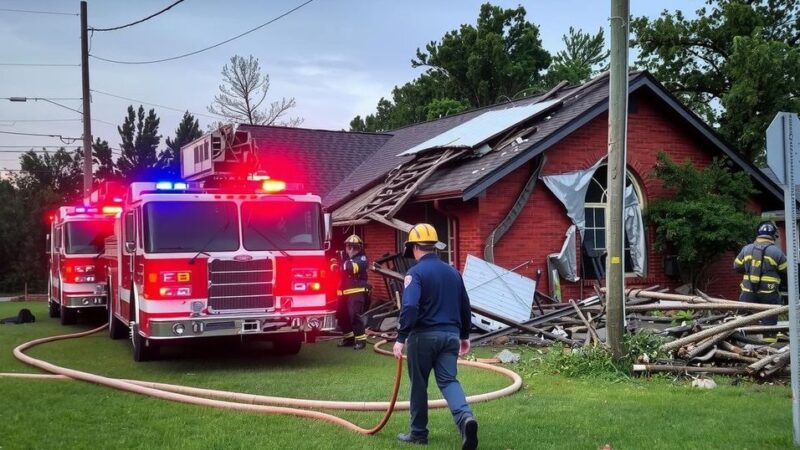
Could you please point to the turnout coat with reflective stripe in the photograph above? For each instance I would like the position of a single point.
(761, 263)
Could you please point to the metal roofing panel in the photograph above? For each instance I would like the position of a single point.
(499, 290)
(482, 128)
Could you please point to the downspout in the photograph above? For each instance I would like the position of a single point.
(437, 206)
(513, 213)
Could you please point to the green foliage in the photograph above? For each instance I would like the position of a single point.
(473, 66)
(597, 362)
(681, 316)
(140, 139)
(103, 159)
(737, 63)
(583, 56)
(705, 215)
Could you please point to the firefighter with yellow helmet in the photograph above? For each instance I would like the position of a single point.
(434, 330)
(352, 293)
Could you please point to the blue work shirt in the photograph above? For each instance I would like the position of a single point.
(434, 299)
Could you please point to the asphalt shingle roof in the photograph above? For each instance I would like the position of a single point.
(326, 157)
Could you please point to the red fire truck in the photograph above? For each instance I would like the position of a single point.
(76, 241)
(218, 256)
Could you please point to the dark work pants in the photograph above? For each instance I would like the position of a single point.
(348, 313)
(773, 298)
(437, 351)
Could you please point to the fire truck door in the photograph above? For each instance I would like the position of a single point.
(126, 272)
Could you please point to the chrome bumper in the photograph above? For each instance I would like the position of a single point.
(234, 325)
(85, 301)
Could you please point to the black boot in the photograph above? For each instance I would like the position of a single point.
(360, 344)
(409, 439)
(346, 342)
(469, 434)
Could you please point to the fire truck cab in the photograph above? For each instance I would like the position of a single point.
(77, 275)
(219, 254)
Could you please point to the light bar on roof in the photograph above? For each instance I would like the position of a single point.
(480, 129)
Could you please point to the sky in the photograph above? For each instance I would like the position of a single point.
(337, 58)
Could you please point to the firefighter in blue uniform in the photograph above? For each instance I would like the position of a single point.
(761, 263)
(434, 324)
(352, 293)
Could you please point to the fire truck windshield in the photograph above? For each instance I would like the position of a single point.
(190, 227)
(87, 237)
(281, 226)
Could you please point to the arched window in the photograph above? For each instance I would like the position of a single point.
(594, 235)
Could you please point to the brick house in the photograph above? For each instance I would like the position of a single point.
(477, 177)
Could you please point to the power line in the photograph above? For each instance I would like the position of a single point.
(39, 65)
(14, 121)
(157, 105)
(207, 48)
(55, 13)
(62, 138)
(138, 21)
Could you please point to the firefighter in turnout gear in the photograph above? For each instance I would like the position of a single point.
(352, 293)
(762, 264)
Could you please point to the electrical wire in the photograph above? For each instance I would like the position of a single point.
(215, 117)
(55, 13)
(138, 21)
(60, 137)
(209, 47)
(38, 65)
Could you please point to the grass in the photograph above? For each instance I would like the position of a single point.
(552, 410)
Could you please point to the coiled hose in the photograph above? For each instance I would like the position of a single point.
(256, 403)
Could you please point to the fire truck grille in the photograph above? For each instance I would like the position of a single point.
(240, 284)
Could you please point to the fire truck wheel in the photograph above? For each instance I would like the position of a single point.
(141, 350)
(68, 316)
(287, 344)
(54, 309)
(116, 329)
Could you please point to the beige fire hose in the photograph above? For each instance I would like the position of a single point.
(255, 403)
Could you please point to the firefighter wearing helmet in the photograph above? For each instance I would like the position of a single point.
(352, 293)
(434, 329)
(761, 263)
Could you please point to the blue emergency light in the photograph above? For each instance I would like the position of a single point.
(170, 186)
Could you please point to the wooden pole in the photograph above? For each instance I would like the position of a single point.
(617, 124)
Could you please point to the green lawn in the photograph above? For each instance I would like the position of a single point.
(550, 412)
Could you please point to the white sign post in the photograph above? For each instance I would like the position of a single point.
(783, 157)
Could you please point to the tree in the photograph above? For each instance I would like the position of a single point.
(140, 138)
(736, 64)
(103, 158)
(60, 172)
(243, 91)
(187, 131)
(584, 55)
(473, 66)
(705, 215)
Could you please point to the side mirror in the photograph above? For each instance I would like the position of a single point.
(328, 229)
(130, 247)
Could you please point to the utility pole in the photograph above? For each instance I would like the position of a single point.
(87, 116)
(617, 132)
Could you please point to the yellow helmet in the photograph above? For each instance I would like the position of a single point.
(353, 239)
(422, 233)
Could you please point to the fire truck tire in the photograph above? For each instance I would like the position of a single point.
(53, 309)
(287, 344)
(116, 329)
(68, 316)
(141, 350)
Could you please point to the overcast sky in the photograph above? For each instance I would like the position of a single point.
(335, 57)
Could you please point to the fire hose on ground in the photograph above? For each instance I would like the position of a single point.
(251, 402)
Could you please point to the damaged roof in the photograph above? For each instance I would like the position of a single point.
(467, 178)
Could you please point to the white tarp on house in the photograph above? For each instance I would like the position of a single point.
(499, 290)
